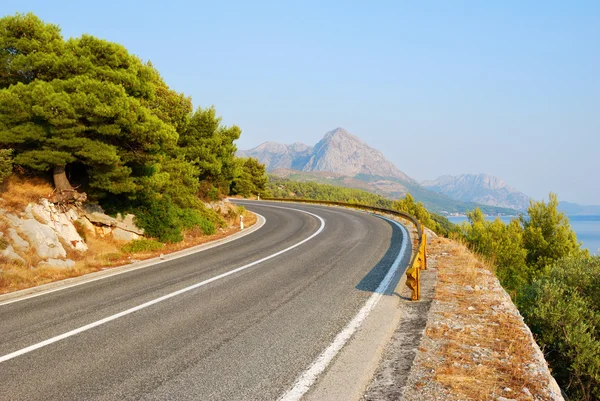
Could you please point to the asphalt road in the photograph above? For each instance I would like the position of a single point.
(246, 336)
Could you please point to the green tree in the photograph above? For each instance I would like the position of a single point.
(501, 245)
(252, 180)
(547, 234)
(417, 209)
(210, 146)
(85, 104)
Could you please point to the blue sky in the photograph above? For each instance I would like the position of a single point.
(508, 88)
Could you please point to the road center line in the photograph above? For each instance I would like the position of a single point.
(164, 297)
(310, 375)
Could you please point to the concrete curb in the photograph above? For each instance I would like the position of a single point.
(32, 292)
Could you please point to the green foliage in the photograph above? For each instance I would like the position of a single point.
(282, 188)
(500, 244)
(210, 147)
(417, 209)
(547, 234)
(252, 179)
(163, 219)
(191, 218)
(84, 103)
(6, 164)
(160, 219)
(142, 245)
(563, 311)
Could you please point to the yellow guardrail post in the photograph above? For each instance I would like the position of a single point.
(413, 274)
(424, 252)
(413, 280)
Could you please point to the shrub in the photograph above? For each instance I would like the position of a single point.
(190, 218)
(159, 219)
(6, 164)
(562, 309)
(142, 245)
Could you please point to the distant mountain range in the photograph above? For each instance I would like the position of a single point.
(341, 158)
(479, 188)
(575, 209)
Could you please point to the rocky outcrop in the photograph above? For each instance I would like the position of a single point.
(121, 228)
(479, 188)
(42, 238)
(43, 234)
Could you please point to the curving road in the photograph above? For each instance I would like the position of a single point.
(190, 328)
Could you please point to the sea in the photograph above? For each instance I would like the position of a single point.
(587, 229)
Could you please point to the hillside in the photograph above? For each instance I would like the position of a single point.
(479, 188)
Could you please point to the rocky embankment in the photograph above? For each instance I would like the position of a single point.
(43, 234)
(473, 343)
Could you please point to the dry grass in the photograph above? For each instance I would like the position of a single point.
(482, 350)
(18, 192)
(103, 253)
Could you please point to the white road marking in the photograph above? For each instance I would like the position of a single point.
(165, 297)
(115, 271)
(308, 378)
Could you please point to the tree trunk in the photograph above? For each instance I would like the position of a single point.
(64, 190)
(61, 182)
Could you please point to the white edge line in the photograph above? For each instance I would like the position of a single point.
(115, 271)
(164, 297)
(310, 375)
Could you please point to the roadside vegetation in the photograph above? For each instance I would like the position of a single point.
(555, 284)
(103, 126)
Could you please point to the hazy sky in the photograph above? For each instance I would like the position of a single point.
(449, 87)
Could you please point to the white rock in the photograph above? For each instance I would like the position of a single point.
(468, 288)
(72, 214)
(9, 253)
(42, 238)
(471, 308)
(96, 215)
(103, 231)
(60, 223)
(127, 224)
(57, 263)
(526, 391)
(87, 226)
(122, 235)
(17, 241)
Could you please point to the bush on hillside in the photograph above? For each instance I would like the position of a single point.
(563, 311)
(6, 164)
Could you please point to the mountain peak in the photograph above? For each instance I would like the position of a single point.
(340, 134)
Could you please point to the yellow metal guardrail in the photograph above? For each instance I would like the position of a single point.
(419, 258)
